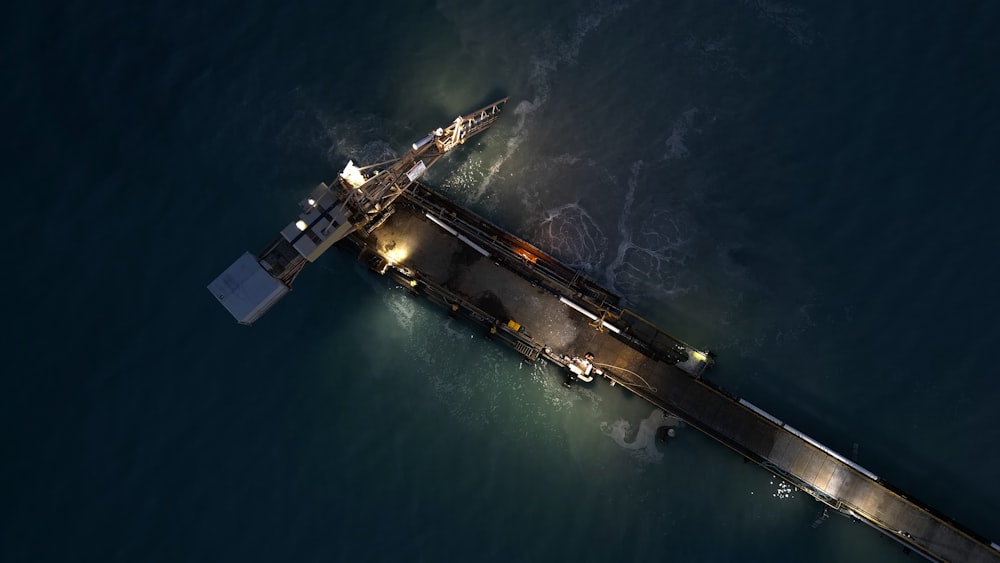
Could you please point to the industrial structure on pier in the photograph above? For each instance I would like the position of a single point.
(520, 296)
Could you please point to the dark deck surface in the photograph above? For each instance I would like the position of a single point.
(516, 282)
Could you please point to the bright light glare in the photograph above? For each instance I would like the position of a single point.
(301, 225)
(352, 174)
(396, 255)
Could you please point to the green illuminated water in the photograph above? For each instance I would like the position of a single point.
(800, 188)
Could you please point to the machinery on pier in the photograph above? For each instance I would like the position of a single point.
(253, 284)
(488, 277)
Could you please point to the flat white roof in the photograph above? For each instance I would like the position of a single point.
(246, 290)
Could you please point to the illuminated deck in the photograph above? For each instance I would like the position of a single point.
(542, 309)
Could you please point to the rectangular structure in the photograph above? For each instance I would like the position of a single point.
(246, 290)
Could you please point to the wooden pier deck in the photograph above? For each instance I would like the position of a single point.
(543, 309)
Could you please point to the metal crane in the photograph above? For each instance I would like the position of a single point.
(253, 284)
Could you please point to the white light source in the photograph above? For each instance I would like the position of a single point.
(301, 225)
(352, 174)
(396, 255)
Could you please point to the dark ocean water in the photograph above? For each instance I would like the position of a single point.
(806, 188)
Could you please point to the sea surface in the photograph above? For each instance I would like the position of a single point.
(806, 188)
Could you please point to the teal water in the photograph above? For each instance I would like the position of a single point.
(805, 189)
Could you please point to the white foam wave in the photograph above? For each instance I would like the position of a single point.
(468, 176)
(544, 63)
(643, 444)
(652, 256)
(541, 178)
(653, 244)
(356, 138)
(571, 234)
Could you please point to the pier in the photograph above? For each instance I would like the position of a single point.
(520, 296)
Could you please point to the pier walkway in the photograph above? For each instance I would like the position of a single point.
(542, 309)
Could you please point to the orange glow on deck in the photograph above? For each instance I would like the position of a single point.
(526, 255)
